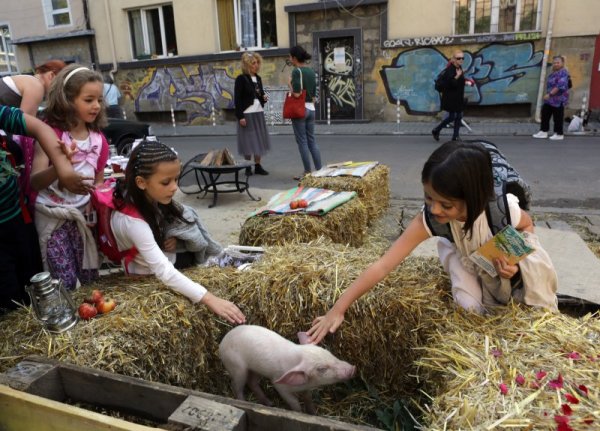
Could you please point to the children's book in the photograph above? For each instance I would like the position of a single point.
(509, 243)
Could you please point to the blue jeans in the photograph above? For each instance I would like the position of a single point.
(452, 116)
(304, 131)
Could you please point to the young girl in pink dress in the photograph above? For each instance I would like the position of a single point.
(76, 112)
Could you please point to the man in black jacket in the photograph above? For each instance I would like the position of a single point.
(452, 82)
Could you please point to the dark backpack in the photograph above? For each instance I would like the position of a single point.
(569, 82)
(506, 180)
(439, 81)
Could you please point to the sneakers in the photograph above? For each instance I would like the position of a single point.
(557, 137)
(436, 134)
(258, 170)
(541, 135)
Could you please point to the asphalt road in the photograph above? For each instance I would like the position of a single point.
(561, 174)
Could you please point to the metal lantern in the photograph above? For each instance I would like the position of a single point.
(52, 304)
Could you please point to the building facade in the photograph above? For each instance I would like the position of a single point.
(372, 57)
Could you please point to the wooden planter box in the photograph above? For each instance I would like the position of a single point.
(34, 392)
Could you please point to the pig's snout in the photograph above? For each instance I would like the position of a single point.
(348, 372)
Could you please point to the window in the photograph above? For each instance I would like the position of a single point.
(496, 16)
(246, 24)
(8, 62)
(152, 32)
(57, 12)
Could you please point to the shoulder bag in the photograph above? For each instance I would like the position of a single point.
(293, 107)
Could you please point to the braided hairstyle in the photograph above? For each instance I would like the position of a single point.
(143, 161)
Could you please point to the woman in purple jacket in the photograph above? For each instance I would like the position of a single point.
(555, 100)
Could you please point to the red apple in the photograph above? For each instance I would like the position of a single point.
(106, 305)
(97, 296)
(87, 311)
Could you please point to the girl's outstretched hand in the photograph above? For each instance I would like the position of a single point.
(223, 308)
(324, 325)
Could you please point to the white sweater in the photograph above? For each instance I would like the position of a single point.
(133, 232)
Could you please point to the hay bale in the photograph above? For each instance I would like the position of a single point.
(373, 189)
(346, 224)
(470, 356)
(153, 334)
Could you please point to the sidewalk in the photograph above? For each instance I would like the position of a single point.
(479, 127)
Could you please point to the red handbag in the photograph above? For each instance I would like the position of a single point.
(293, 107)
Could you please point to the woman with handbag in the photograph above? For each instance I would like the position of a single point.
(303, 83)
(249, 98)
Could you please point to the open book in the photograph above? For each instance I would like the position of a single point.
(509, 243)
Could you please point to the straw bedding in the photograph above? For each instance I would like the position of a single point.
(405, 337)
(346, 224)
(373, 189)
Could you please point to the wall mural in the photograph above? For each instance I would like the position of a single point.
(194, 89)
(503, 74)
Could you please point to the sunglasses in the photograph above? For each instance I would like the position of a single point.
(459, 58)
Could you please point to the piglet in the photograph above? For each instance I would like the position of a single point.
(249, 352)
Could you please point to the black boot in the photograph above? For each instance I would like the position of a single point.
(436, 134)
(258, 170)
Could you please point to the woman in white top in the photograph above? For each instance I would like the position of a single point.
(149, 186)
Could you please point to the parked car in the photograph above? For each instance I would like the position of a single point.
(121, 133)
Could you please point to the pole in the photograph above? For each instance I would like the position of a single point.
(173, 120)
(329, 111)
(213, 116)
(398, 115)
(538, 107)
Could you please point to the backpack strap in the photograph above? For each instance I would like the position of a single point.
(437, 228)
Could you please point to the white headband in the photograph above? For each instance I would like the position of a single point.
(73, 72)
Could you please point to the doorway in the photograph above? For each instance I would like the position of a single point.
(340, 74)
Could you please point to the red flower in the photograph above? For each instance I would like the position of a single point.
(563, 423)
(496, 352)
(520, 379)
(583, 390)
(503, 388)
(540, 375)
(566, 409)
(588, 421)
(556, 383)
(574, 355)
(572, 399)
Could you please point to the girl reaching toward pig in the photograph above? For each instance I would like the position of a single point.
(458, 185)
(145, 206)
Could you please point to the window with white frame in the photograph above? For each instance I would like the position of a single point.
(496, 16)
(8, 62)
(246, 24)
(57, 12)
(152, 32)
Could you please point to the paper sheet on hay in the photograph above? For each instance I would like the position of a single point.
(320, 201)
(353, 169)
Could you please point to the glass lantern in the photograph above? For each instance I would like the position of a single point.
(51, 303)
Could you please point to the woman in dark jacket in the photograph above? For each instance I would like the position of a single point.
(452, 82)
(249, 98)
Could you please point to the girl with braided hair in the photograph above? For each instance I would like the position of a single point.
(144, 208)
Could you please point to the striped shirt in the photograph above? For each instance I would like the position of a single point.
(12, 120)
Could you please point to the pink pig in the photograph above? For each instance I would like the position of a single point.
(249, 352)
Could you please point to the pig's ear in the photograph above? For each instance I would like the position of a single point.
(303, 337)
(293, 378)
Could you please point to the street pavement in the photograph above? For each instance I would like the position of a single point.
(478, 126)
(577, 267)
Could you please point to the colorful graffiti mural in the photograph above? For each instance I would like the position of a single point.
(195, 89)
(503, 74)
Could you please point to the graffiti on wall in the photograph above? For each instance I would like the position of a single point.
(503, 74)
(195, 89)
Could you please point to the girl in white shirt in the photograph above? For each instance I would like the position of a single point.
(458, 185)
(149, 186)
